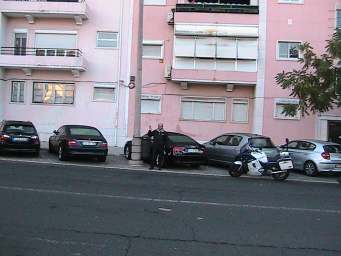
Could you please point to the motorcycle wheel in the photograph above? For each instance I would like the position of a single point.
(236, 171)
(280, 176)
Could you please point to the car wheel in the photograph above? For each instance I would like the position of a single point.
(310, 169)
(61, 153)
(102, 159)
(127, 152)
(50, 148)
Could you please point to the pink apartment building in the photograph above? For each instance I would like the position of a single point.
(66, 62)
(209, 65)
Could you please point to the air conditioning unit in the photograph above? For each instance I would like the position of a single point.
(170, 18)
(168, 71)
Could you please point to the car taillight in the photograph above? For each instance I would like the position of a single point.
(4, 137)
(72, 143)
(326, 155)
(178, 150)
(104, 145)
(35, 139)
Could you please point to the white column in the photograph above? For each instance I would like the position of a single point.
(2, 83)
(258, 112)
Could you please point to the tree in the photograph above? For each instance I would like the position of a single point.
(317, 84)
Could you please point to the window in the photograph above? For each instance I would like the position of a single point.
(154, 2)
(153, 49)
(338, 18)
(279, 109)
(291, 1)
(221, 140)
(216, 53)
(104, 93)
(18, 91)
(293, 145)
(240, 110)
(304, 145)
(53, 93)
(151, 104)
(107, 39)
(203, 109)
(55, 44)
(288, 50)
(233, 140)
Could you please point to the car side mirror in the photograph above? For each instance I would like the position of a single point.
(213, 143)
(55, 132)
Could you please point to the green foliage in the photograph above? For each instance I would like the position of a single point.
(315, 83)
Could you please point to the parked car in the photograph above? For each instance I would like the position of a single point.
(314, 156)
(78, 140)
(224, 149)
(180, 149)
(19, 136)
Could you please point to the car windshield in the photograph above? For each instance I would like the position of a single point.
(332, 148)
(79, 131)
(261, 143)
(177, 138)
(20, 129)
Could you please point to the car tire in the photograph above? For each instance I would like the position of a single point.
(310, 169)
(50, 148)
(62, 156)
(102, 159)
(127, 152)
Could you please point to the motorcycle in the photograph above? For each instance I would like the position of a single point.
(255, 162)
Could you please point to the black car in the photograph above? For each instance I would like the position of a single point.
(180, 149)
(78, 140)
(19, 136)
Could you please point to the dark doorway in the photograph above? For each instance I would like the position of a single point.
(334, 131)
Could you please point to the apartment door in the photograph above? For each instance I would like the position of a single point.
(334, 131)
(20, 44)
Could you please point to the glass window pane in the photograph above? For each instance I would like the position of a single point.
(205, 64)
(104, 94)
(240, 111)
(107, 35)
(187, 110)
(150, 106)
(219, 111)
(283, 50)
(153, 51)
(203, 111)
(226, 48)
(184, 63)
(205, 47)
(184, 46)
(226, 65)
(293, 50)
(247, 49)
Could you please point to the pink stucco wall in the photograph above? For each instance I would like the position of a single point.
(107, 66)
(285, 22)
(157, 28)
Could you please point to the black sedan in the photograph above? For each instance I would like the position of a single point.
(180, 149)
(78, 140)
(19, 136)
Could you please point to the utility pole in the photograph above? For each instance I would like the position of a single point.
(136, 143)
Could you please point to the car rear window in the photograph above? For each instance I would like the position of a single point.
(332, 148)
(77, 131)
(261, 143)
(180, 139)
(20, 129)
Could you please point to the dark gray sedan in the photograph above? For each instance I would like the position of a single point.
(225, 148)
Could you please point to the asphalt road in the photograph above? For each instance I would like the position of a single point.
(65, 210)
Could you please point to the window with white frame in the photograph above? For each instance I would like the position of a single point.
(203, 109)
(216, 53)
(279, 109)
(338, 19)
(154, 2)
(153, 49)
(240, 110)
(106, 39)
(288, 50)
(18, 91)
(104, 93)
(150, 104)
(58, 43)
(291, 1)
(53, 93)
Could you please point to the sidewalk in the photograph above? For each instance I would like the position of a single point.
(117, 161)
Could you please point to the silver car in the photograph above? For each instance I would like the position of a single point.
(314, 156)
(224, 149)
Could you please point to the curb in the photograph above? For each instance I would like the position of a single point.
(146, 170)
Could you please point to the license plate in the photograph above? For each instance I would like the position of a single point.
(193, 150)
(286, 165)
(20, 139)
(89, 143)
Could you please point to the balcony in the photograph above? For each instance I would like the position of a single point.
(218, 6)
(28, 59)
(32, 9)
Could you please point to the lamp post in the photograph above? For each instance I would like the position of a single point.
(136, 143)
